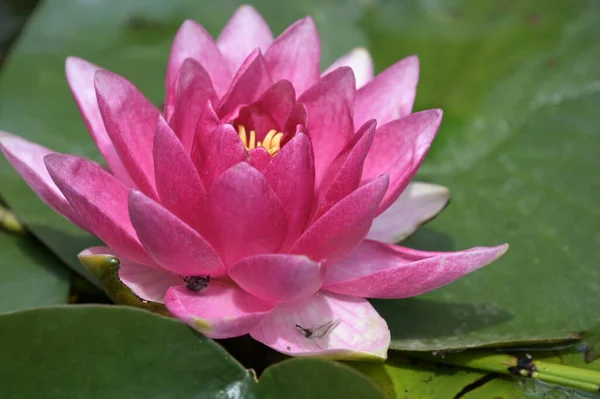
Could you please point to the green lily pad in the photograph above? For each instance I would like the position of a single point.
(519, 85)
(30, 275)
(112, 352)
(313, 378)
(407, 379)
(406, 376)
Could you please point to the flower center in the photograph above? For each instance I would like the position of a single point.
(271, 142)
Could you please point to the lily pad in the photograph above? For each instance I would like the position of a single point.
(112, 352)
(406, 376)
(519, 85)
(413, 379)
(30, 275)
(313, 378)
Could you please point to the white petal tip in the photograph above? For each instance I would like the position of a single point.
(502, 249)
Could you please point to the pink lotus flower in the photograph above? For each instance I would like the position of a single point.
(263, 200)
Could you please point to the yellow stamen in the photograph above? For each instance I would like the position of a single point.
(271, 142)
(269, 137)
(242, 131)
(276, 142)
(252, 143)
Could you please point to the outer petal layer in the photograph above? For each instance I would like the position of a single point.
(390, 95)
(178, 184)
(361, 63)
(344, 226)
(277, 277)
(130, 120)
(295, 55)
(173, 244)
(100, 200)
(220, 311)
(80, 75)
(193, 90)
(378, 270)
(28, 160)
(399, 149)
(360, 332)
(418, 204)
(245, 31)
(193, 41)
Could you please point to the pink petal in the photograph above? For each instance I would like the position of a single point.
(207, 122)
(194, 89)
(147, 283)
(297, 121)
(291, 174)
(361, 63)
(193, 41)
(179, 186)
(173, 244)
(399, 149)
(271, 111)
(345, 225)
(390, 95)
(295, 55)
(249, 84)
(277, 277)
(28, 160)
(259, 158)
(215, 153)
(130, 120)
(329, 105)
(418, 204)
(220, 311)
(360, 333)
(80, 76)
(245, 31)
(379, 270)
(243, 216)
(344, 174)
(101, 202)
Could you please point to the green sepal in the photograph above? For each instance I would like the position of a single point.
(105, 268)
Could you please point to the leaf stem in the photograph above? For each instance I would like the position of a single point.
(522, 366)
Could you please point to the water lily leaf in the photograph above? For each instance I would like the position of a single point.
(313, 378)
(591, 344)
(410, 378)
(112, 352)
(519, 85)
(132, 353)
(406, 376)
(30, 275)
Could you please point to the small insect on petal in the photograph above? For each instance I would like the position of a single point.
(320, 331)
(197, 283)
